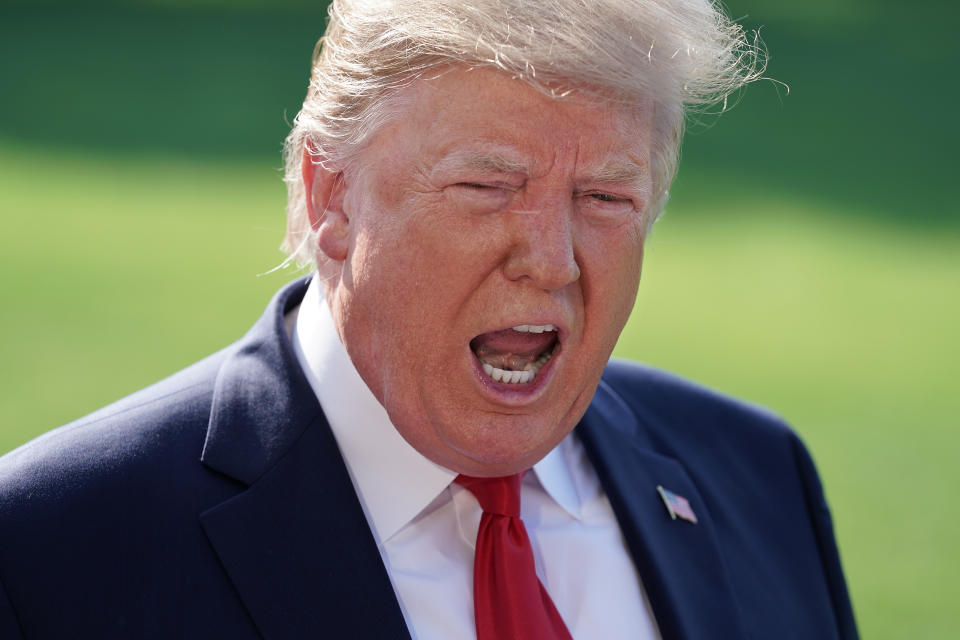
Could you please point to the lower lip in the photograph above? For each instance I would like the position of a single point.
(517, 394)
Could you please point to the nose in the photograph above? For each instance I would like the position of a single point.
(543, 249)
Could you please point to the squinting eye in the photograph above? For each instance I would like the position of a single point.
(606, 197)
(479, 197)
(481, 190)
(607, 208)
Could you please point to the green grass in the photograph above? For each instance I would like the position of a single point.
(116, 272)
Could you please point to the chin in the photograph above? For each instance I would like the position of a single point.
(503, 445)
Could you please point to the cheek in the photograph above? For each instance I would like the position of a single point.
(611, 280)
(451, 255)
(401, 280)
(629, 278)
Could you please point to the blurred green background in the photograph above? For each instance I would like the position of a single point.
(808, 260)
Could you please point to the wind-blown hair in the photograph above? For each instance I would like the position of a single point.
(679, 53)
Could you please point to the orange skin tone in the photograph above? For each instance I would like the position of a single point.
(485, 205)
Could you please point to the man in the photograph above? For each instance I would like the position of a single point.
(473, 185)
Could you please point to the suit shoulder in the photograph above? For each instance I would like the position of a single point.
(660, 397)
(159, 427)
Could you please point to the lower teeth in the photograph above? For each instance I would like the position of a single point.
(517, 377)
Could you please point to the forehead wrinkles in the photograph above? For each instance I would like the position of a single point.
(526, 133)
(608, 145)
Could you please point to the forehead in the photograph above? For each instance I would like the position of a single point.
(487, 120)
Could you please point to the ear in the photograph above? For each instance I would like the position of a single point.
(324, 190)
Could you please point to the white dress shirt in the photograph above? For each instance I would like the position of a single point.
(426, 527)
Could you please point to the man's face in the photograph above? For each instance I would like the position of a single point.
(484, 208)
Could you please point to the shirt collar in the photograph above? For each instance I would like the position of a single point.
(357, 419)
(556, 476)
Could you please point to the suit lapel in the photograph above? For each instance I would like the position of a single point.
(295, 543)
(299, 552)
(679, 562)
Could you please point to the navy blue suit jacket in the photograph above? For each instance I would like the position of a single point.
(215, 504)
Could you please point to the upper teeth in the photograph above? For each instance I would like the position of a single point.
(534, 328)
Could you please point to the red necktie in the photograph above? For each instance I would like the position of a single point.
(509, 602)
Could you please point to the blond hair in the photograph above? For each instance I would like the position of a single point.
(679, 53)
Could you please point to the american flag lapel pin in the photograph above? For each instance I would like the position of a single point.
(677, 506)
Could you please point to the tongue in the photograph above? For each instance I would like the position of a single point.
(509, 343)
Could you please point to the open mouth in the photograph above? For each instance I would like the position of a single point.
(515, 355)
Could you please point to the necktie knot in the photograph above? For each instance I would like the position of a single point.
(500, 495)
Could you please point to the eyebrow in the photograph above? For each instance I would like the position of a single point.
(619, 171)
(616, 171)
(488, 163)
